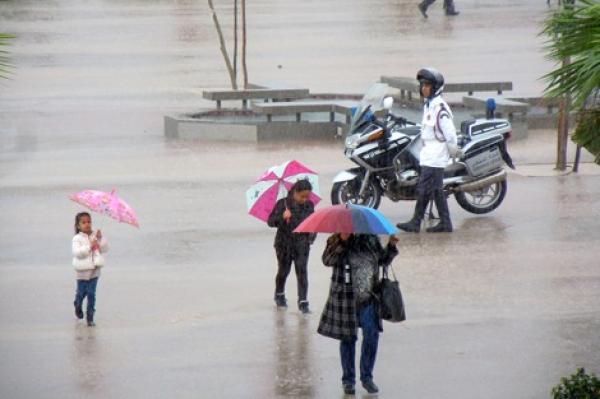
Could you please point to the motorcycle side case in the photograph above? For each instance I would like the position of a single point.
(485, 151)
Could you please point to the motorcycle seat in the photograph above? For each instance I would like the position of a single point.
(465, 125)
(410, 131)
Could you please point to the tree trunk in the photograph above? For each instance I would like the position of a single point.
(235, 38)
(577, 159)
(244, 67)
(223, 47)
(563, 129)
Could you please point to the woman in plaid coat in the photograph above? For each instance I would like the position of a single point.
(355, 260)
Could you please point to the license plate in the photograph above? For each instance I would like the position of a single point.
(485, 162)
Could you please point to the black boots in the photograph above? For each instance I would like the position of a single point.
(303, 307)
(450, 10)
(423, 8)
(448, 5)
(280, 301)
(414, 225)
(370, 386)
(349, 389)
(445, 225)
(90, 319)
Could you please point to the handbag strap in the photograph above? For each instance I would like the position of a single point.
(385, 272)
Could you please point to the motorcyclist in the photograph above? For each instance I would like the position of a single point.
(439, 143)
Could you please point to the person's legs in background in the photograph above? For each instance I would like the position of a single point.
(424, 5)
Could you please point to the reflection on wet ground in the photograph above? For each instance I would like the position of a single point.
(296, 371)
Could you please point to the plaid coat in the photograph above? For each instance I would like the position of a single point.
(339, 318)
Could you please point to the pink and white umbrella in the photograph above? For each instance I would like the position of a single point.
(274, 184)
(108, 204)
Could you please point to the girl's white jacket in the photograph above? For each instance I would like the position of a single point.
(83, 256)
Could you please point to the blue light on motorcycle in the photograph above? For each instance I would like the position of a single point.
(490, 107)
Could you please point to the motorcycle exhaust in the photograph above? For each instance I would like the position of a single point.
(486, 181)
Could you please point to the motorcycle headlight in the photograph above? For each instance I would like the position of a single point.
(353, 141)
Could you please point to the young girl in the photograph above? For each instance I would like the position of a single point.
(88, 248)
(291, 247)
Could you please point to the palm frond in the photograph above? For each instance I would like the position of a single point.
(6, 65)
(574, 33)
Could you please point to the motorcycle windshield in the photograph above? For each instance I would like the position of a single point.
(371, 102)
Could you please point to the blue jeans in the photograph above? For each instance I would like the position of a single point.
(87, 288)
(369, 322)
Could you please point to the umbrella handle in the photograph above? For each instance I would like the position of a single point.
(287, 209)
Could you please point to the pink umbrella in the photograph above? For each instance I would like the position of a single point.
(274, 184)
(108, 204)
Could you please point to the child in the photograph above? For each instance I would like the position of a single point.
(291, 247)
(88, 248)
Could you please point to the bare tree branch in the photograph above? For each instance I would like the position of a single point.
(245, 68)
(223, 47)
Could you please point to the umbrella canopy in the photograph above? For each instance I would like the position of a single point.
(108, 204)
(274, 184)
(347, 218)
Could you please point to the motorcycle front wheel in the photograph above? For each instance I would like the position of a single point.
(346, 192)
(482, 201)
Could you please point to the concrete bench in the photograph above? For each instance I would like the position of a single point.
(254, 94)
(300, 107)
(408, 86)
(503, 105)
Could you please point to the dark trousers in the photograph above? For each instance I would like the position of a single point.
(369, 322)
(299, 256)
(87, 288)
(430, 181)
(448, 4)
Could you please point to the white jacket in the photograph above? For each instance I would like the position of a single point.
(438, 134)
(83, 256)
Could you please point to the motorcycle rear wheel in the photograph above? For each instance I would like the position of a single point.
(346, 192)
(482, 201)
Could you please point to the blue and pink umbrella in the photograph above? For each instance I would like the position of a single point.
(347, 218)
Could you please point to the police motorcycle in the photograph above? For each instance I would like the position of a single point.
(386, 150)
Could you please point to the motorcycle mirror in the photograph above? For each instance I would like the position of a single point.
(388, 102)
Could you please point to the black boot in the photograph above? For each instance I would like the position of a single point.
(349, 389)
(450, 10)
(90, 319)
(423, 8)
(370, 386)
(414, 225)
(280, 301)
(303, 307)
(445, 225)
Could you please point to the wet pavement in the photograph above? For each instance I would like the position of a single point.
(501, 308)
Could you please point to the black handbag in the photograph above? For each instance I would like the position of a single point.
(391, 305)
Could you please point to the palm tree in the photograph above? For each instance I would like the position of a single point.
(5, 64)
(574, 33)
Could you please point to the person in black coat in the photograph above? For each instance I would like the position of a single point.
(290, 247)
(351, 304)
